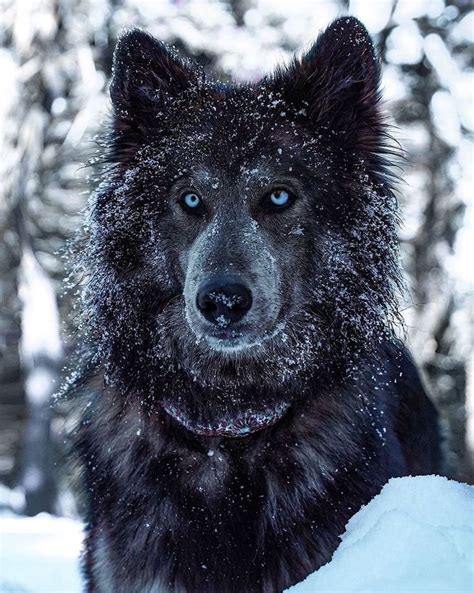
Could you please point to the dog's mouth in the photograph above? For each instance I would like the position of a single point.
(237, 341)
(232, 426)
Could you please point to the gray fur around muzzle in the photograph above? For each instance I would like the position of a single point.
(232, 286)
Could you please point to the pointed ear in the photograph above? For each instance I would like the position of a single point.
(337, 82)
(145, 76)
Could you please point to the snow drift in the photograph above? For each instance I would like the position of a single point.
(417, 535)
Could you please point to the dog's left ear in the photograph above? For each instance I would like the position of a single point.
(337, 82)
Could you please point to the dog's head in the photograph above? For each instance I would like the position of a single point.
(244, 235)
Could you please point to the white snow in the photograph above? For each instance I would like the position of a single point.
(412, 9)
(417, 535)
(40, 324)
(445, 117)
(374, 20)
(405, 44)
(39, 554)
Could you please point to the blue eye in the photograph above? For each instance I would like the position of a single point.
(278, 200)
(280, 197)
(191, 201)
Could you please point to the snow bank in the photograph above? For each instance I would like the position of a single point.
(417, 535)
(39, 554)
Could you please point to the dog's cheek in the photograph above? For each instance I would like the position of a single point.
(296, 257)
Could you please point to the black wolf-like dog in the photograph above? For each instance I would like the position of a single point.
(240, 304)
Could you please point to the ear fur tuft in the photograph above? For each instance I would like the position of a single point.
(146, 77)
(144, 70)
(338, 80)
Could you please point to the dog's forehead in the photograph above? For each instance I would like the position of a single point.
(243, 131)
(250, 116)
(237, 113)
(243, 176)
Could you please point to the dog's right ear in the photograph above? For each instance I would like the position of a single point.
(337, 84)
(146, 75)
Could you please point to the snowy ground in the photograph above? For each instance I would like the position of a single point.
(416, 536)
(39, 554)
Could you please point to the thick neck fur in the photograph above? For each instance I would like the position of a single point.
(174, 512)
(202, 509)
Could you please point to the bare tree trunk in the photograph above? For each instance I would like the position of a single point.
(40, 349)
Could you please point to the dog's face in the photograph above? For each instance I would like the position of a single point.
(243, 235)
(237, 219)
(240, 266)
(235, 224)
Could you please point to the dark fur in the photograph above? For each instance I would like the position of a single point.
(195, 514)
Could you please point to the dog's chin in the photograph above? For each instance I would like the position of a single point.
(236, 425)
(237, 343)
(234, 344)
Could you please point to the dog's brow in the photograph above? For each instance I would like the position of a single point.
(201, 176)
(256, 174)
(198, 177)
(253, 171)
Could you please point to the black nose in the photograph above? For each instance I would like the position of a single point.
(223, 302)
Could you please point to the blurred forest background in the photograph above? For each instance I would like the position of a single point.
(56, 57)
